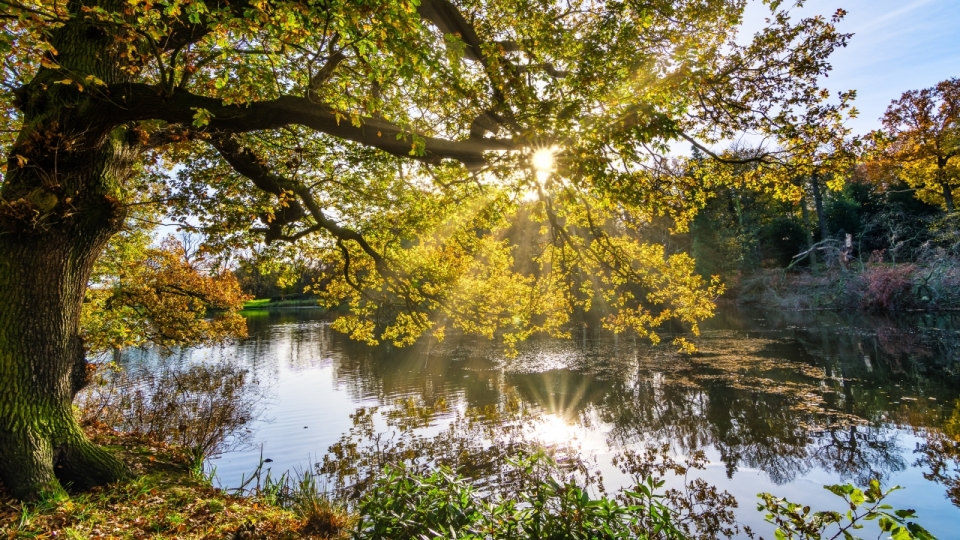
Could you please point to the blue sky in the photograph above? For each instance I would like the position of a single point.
(898, 45)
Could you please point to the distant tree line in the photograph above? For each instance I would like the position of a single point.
(892, 203)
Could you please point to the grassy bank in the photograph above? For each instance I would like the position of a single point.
(168, 498)
(267, 303)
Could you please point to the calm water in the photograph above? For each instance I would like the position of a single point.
(782, 402)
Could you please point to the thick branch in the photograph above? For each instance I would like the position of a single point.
(448, 19)
(251, 166)
(326, 72)
(136, 102)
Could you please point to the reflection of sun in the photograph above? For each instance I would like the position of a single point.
(560, 397)
(553, 429)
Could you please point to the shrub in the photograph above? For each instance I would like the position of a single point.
(403, 504)
(197, 407)
(797, 522)
(888, 288)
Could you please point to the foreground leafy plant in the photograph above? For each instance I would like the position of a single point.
(403, 504)
(795, 521)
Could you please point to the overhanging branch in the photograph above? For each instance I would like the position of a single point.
(138, 102)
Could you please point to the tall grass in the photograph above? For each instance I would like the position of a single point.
(301, 491)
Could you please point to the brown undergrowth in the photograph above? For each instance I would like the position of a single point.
(165, 499)
(876, 287)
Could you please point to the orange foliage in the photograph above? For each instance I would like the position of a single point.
(164, 296)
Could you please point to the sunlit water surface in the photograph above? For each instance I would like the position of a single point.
(781, 402)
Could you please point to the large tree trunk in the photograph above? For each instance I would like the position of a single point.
(60, 202)
(42, 365)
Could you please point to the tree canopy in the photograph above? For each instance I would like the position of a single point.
(394, 141)
(165, 295)
(921, 135)
(401, 134)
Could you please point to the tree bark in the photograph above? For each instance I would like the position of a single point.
(947, 196)
(42, 364)
(60, 202)
(818, 204)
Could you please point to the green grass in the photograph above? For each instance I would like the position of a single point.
(265, 303)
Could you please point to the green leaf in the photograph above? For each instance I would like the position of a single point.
(919, 532)
(201, 116)
(856, 497)
(901, 533)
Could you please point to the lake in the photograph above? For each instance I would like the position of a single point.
(779, 402)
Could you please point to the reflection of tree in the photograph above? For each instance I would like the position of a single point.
(481, 444)
(756, 401)
(747, 428)
(858, 453)
(941, 454)
(770, 430)
(760, 431)
(753, 429)
(784, 393)
(754, 412)
(893, 342)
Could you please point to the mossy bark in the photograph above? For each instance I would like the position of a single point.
(42, 363)
(60, 202)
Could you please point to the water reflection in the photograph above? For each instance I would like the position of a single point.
(793, 395)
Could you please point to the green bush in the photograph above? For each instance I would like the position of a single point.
(798, 522)
(403, 504)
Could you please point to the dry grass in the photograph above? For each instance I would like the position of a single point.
(166, 500)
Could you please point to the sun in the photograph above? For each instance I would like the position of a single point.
(543, 160)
